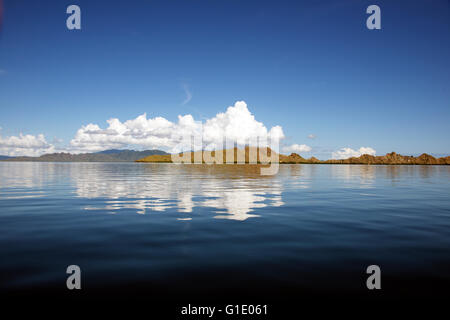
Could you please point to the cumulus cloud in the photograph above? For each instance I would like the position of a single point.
(345, 153)
(297, 148)
(237, 124)
(25, 145)
(148, 133)
(311, 136)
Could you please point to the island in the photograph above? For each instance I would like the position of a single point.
(294, 158)
(159, 156)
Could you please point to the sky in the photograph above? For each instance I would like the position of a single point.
(310, 71)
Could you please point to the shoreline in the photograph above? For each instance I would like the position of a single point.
(248, 156)
(235, 163)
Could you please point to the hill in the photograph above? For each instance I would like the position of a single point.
(199, 155)
(102, 156)
(393, 158)
(390, 158)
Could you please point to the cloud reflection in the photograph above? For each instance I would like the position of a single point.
(233, 192)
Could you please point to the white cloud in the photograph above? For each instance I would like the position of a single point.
(25, 145)
(188, 94)
(311, 136)
(345, 153)
(297, 148)
(236, 124)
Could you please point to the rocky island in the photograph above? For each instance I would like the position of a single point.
(294, 158)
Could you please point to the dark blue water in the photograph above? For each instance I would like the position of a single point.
(191, 230)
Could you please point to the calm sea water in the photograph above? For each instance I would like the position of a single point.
(170, 230)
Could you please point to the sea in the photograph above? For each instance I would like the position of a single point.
(224, 233)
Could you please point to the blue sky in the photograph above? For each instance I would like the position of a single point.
(311, 67)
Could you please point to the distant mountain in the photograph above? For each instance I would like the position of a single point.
(4, 157)
(102, 156)
(113, 151)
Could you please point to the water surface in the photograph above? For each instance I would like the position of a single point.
(178, 230)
